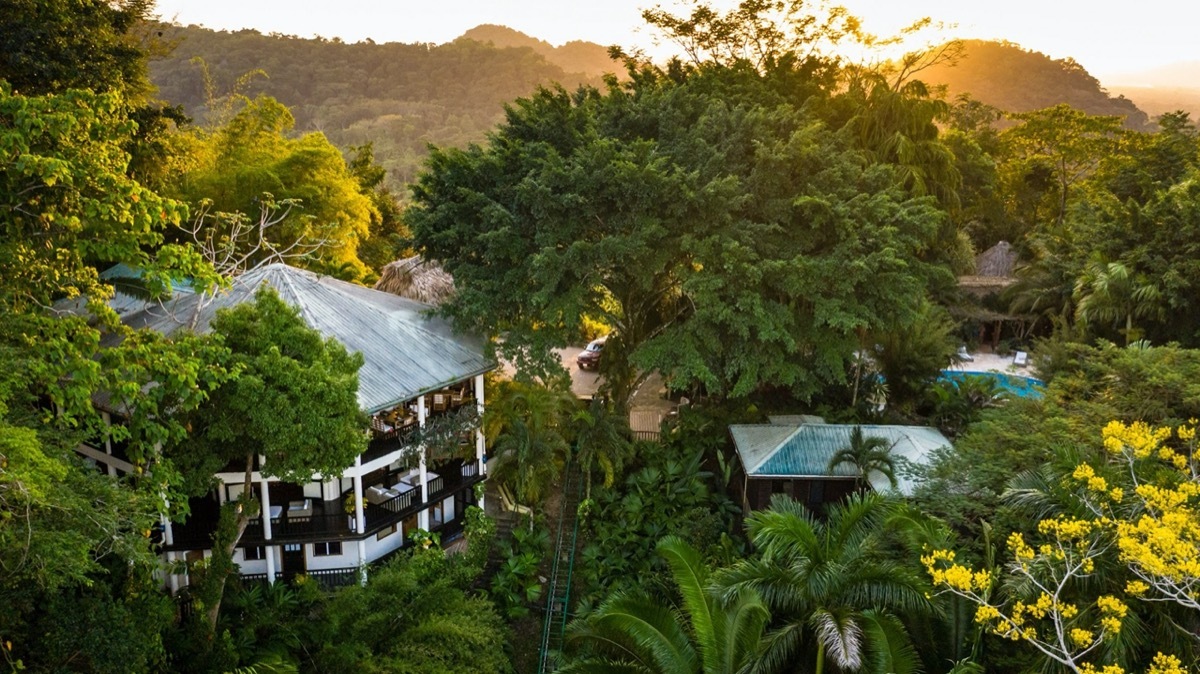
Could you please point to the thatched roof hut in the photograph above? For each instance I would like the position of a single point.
(993, 270)
(999, 260)
(416, 279)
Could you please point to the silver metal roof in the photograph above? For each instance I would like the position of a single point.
(406, 351)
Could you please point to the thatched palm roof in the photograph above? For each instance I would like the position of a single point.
(999, 260)
(993, 270)
(416, 279)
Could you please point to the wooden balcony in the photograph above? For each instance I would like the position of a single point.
(327, 520)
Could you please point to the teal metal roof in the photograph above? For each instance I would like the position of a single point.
(804, 450)
(406, 351)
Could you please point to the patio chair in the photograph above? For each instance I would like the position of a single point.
(1021, 359)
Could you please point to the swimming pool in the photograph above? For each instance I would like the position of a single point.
(1026, 387)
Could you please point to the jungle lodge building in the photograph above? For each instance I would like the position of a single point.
(416, 372)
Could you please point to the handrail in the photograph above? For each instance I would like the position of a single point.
(571, 487)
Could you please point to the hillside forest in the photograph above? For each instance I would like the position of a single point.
(762, 226)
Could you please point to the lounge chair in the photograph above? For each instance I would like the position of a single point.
(379, 495)
(1021, 359)
(510, 504)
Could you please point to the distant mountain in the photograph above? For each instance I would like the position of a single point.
(1159, 100)
(402, 97)
(1013, 79)
(1184, 75)
(576, 56)
(1165, 89)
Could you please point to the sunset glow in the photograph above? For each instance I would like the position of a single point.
(1106, 40)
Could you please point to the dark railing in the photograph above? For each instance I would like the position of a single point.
(329, 520)
(435, 486)
(316, 525)
(388, 513)
(330, 579)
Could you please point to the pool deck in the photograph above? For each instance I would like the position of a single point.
(990, 362)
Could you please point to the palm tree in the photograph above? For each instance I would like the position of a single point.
(829, 585)
(867, 455)
(1111, 293)
(527, 427)
(602, 440)
(629, 633)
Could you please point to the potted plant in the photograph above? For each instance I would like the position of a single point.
(351, 506)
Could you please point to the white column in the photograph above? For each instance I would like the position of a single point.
(360, 519)
(479, 442)
(269, 552)
(266, 508)
(423, 515)
(265, 504)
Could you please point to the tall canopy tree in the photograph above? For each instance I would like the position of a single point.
(67, 207)
(294, 402)
(250, 160)
(1057, 148)
(49, 47)
(728, 239)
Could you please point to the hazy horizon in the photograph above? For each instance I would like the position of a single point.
(1110, 45)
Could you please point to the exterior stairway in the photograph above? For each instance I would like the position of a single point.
(558, 595)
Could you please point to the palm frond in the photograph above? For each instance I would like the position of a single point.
(841, 635)
(889, 649)
(637, 630)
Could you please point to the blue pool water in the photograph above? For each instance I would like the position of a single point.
(1026, 387)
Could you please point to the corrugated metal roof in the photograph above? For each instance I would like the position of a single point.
(406, 352)
(804, 450)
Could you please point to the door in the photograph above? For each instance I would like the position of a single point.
(292, 561)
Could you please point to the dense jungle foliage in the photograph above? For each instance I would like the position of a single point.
(766, 227)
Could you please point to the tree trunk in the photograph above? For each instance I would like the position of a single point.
(225, 542)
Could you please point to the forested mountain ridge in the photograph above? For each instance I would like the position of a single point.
(405, 97)
(401, 97)
(1013, 79)
(576, 56)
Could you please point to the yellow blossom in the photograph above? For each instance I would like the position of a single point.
(1166, 664)
(1082, 638)
(1136, 588)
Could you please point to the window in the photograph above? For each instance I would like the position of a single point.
(329, 549)
(254, 553)
(387, 531)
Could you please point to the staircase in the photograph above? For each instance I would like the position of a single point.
(558, 595)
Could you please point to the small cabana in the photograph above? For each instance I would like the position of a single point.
(791, 456)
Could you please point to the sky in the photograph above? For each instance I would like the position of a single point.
(1110, 39)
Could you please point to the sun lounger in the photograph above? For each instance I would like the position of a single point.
(300, 508)
(378, 495)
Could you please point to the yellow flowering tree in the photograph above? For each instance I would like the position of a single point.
(1136, 507)
(1157, 524)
